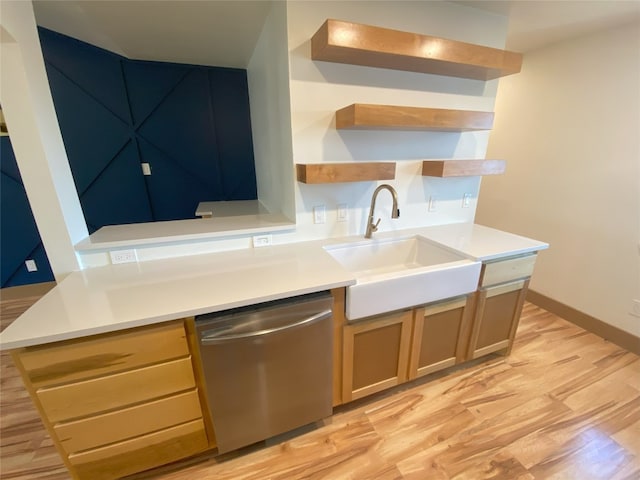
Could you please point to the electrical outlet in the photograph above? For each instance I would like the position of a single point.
(123, 256)
(31, 265)
(635, 308)
(433, 203)
(262, 240)
(342, 212)
(319, 214)
(466, 200)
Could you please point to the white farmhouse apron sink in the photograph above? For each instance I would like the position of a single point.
(397, 273)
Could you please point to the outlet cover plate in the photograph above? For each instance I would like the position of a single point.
(31, 265)
(123, 256)
(319, 214)
(433, 203)
(342, 212)
(262, 240)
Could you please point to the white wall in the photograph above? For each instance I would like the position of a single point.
(294, 105)
(36, 139)
(268, 77)
(318, 89)
(569, 127)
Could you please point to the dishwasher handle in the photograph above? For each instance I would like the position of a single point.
(221, 338)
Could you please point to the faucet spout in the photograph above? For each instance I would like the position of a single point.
(395, 212)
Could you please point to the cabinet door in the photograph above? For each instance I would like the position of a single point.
(118, 403)
(496, 319)
(375, 354)
(440, 335)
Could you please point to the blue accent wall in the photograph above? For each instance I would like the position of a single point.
(19, 237)
(190, 123)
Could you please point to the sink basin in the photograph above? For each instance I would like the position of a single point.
(392, 274)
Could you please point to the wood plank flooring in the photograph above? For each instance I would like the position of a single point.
(564, 405)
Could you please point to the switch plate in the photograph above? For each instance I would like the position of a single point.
(262, 240)
(635, 308)
(123, 256)
(146, 169)
(342, 212)
(466, 200)
(319, 214)
(433, 203)
(31, 265)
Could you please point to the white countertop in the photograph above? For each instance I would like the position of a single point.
(117, 297)
(157, 233)
(236, 208)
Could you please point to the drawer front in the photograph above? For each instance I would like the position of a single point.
(100, 355)
(97, 395)
(507, 270)
(141, 453)
(128, 423)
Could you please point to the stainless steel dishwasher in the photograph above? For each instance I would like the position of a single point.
(268, 367)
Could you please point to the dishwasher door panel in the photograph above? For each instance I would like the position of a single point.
(263, 385)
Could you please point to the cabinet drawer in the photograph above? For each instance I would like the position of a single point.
(141, 453)
(116, 391)
(130, 422)
(507, 270)
(90, 357)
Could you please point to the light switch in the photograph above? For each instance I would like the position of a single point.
(31, 265)
(146, 169)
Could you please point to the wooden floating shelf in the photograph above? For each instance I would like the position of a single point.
(462, 168)
(345, 172)
(357, 44)
(387, 117)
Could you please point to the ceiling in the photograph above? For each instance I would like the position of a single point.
(217, 33)
(536, 23)
(224, 33)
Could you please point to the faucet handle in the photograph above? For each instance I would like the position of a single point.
(374, 227)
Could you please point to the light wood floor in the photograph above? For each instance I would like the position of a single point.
(564, 405)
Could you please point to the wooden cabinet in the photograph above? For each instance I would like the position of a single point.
(503, 287)
(440, 335)
(119, 403)
(375, 354)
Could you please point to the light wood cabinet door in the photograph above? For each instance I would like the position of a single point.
(506, 270)
(440, 336)
(140, 453)
(496, 319)
(100, 355)
(119, 425)
(118, 403)
(375, 354)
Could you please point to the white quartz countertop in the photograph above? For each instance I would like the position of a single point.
(159, 233)
(118, 297)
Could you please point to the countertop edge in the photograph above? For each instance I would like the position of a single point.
(142, 322)
(476, 242)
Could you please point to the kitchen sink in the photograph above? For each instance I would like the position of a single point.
(397, 273)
